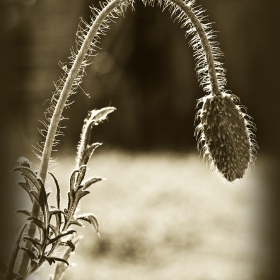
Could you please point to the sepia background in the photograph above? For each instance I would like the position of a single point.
(163, 214)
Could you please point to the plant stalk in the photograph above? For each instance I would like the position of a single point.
(205, 44)
(65, 92)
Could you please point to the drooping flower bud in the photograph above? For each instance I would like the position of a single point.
(225, 135)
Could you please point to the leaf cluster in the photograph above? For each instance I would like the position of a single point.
(53, 225)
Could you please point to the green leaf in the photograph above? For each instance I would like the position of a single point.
(92, 219)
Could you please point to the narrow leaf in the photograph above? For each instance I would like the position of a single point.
(29, 174)
(60, 267)
(81, 194)
(92, 219)
(73, 180)
(35, 242)
(35, 195)
(68, 243)
(76, 222)
(37, 222)
(81, 175)
(91, 181)
(25, 185)
(55, 230)
(57, 190)
(100, 115)
(56, 211)
(61, 235)
(31, 255)
(52, 260)
(89, 151)
(25, 212)
(70, 198)
(43, 194)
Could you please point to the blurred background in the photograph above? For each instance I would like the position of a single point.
(170, 207)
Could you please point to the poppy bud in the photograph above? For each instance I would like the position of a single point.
(225, 135)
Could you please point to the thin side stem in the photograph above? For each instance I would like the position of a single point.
(46, 154)
(68, 84)
(205, 44)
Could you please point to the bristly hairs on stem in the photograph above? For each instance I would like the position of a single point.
(210, 71)
(88, 36)
(87, 39)
(224, 132)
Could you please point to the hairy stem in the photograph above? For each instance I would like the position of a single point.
(68, 84)
(205, 44)
(46, 154)
(66, 91)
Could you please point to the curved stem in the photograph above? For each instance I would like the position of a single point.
(68, 84)
(205, 44)
(65, 92)
(46, 154)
